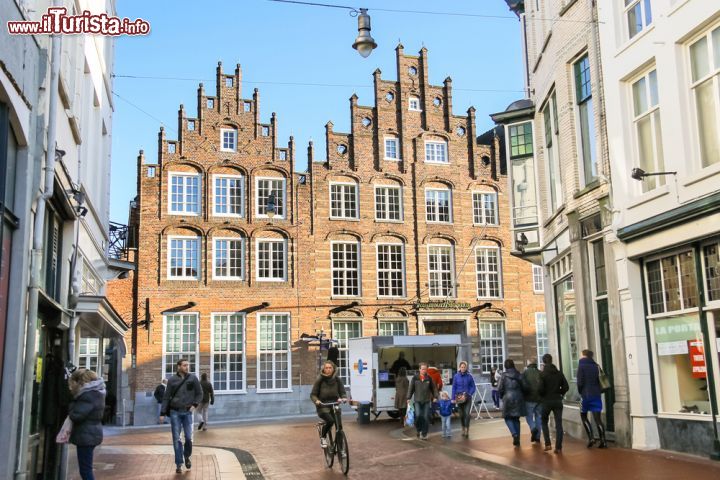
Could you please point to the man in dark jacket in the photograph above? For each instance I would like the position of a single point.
(553, 387)
(208, 398)
(159, 394)
(588, 384)
(425, 391)
(182, 396)
(531, 378)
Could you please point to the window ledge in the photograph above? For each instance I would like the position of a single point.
(344, 219)
(284, 390)
(391, 159)
(567, 6)
(377, 220)
(648, 196)
(447, 164)
(555, 214)
(588, 188)
(706, 172)
(486, 225)
(231, 392)
(632, 41)
(686, 416)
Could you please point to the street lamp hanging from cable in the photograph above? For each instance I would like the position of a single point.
(364, 43)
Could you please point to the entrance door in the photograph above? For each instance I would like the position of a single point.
(441, 327)
(607, 363)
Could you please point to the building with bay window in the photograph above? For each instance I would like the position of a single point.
(661, 61)
(402, 229)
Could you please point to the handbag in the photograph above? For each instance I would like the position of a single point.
(63, 435)
(461, 398)
(603, 379)
(410, 416)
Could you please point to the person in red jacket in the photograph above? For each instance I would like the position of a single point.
(434, 373)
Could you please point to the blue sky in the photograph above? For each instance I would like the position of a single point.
(284, 47)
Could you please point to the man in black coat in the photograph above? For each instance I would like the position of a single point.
(553, 387)
(159, 394)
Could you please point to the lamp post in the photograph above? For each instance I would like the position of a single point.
(364, 43)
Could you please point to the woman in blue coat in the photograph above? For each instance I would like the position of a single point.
(463, 389)
(588, 384)
(86, 413)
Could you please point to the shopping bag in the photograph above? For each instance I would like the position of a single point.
(410, 416)
(603, 379)
(63, 435)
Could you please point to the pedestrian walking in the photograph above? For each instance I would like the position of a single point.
(182, 396)
(208, 398)
(402, 384)
(531, 378)
(424, 391)
(588, 384)
(86, 414)
(554, 386)
(159, 394)
(446, 408)
(494, 379)
(511, 389)
(327, 388)
(463, 391)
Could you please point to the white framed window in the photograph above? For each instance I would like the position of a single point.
(392, 148)
(228, 194)
(441, 271)
(265, 188)
(538, 279)
(184, 193)
(390, 269)
(388, 203)
(485, 209)
(228, 258)
(273, 362)
(271, 260)
(436, 152)
(639, 16)
(180, 340)
(705, 88)
(524, 191)
(438, 205)
(489, 275)
(228, 370)
(648, 132)
(344, 201)
(183, 258)
(89, 353)
(414, 104)
(228, 140)
(342, 332)
(586, 120)
(552, 158)
(541, 335)
(392, 327)
(345, 267)
(492, 345)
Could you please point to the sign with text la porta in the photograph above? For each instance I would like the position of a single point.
(360, 366)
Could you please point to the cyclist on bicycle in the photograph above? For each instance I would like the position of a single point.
(327, 388)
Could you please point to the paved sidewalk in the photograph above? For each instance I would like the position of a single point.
(491, 442)
(158, 462)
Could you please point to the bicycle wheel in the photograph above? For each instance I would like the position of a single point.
(329, 451)
(343, 453)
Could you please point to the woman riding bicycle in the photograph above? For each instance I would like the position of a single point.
(327, 388)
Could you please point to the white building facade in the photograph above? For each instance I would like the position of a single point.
(661, 66)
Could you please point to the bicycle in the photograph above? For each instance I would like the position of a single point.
(337, 443)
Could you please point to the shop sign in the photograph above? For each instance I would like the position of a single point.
(442, 305)
(672, 348)
(697, 359)
(676, 329)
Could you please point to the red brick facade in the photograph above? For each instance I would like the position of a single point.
(308, 230)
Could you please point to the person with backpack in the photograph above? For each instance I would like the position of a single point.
(159, 394)
(533, 384)
(511, 391)
(182, 396)
(553, 386)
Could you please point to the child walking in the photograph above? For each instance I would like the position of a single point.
(446, 408)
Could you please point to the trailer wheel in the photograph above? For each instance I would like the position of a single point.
(393, 413)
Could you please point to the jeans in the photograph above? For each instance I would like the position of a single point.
(184, 421)
(422, 417)
(85, 462)
(446, 432)
(533, 417)
(496, 398)
(557, 413)
(464, 411)
(513, 424)
(202, 412)
(326, 416)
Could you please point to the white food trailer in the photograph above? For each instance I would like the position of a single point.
(370, 360)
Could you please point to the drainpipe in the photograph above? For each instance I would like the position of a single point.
(75, 279)
(36, 257)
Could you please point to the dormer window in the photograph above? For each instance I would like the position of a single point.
(210, 103)
(265, 131)
(171, 148)
(191, 125)
(414, 104)
(247, 106)
(228, 81)
(228, 139)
